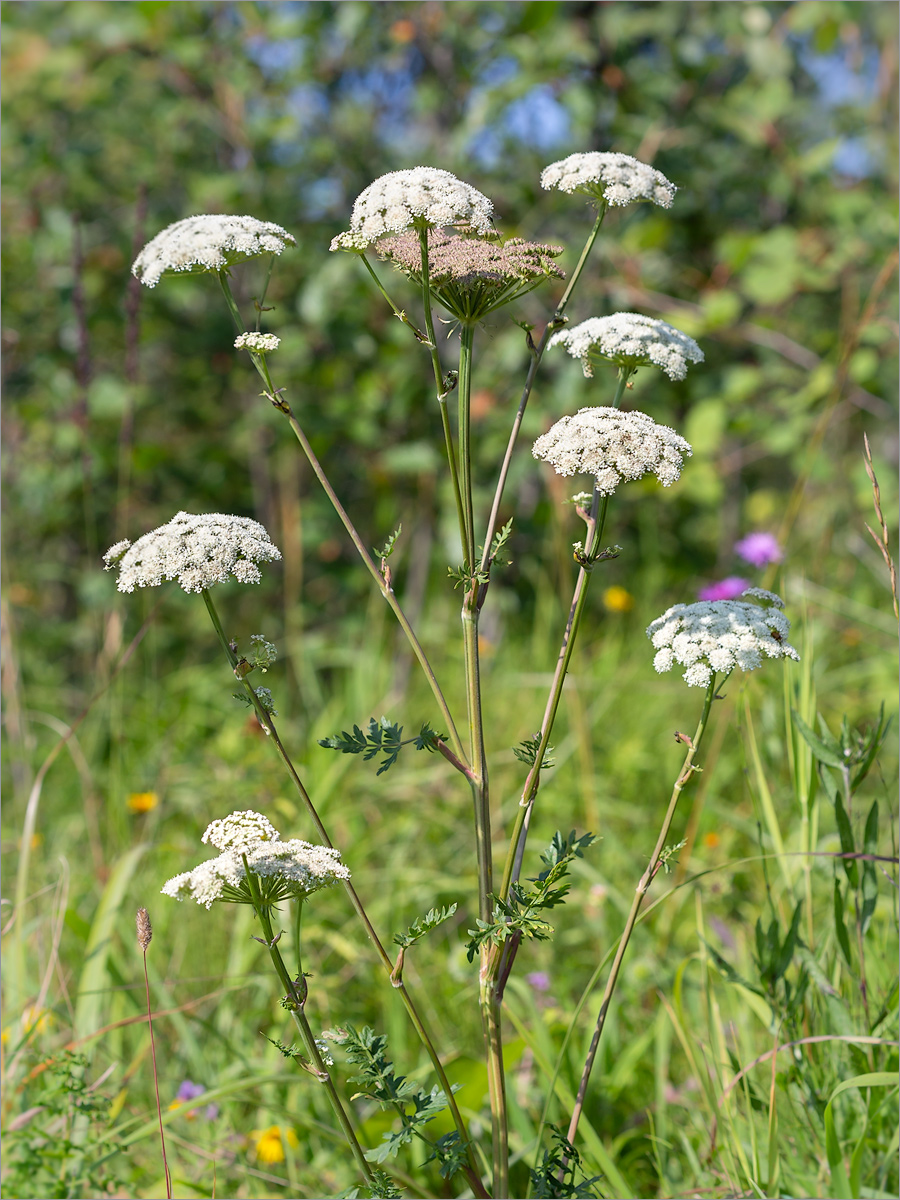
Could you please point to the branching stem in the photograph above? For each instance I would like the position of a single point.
(537, 353)
(384, 586)
(595, 525)
(268, 723)
(295, 1006)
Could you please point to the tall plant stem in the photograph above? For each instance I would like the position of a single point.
(383, 583)
(537, 353)
(268, 724)
(688, 770)
(595, 525)
(296, 997)
(466, 340)
(489, 999)
(443, 390)
(491, 1016)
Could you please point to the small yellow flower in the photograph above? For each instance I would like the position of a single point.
(35, 1018)
(616, 599)
(270, 1143)
(142, 802)
(711, 840)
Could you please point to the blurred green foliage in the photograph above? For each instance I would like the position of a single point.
(777, 122)
(122, 406)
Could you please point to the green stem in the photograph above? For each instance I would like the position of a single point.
(384, 585)
(537, 353)
(688, 770)
(442, 390)
(268, 723)
(595, 526)
(296, 1001)
(491, 1014)
(230, 300)
(579, 266)
(466, 340)
(398, 312)
(489, 997)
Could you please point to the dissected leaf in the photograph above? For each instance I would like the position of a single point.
(423, 925)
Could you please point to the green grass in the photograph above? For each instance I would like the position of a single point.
(687, 1096)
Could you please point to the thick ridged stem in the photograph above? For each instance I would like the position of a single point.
(491, 1013)
(489, 999)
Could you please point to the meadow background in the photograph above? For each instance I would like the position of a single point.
(121, 406)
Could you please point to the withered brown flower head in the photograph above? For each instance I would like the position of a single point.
(144, 928)
(469, 276)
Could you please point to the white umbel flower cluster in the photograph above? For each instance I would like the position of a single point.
(612, 446)
(614, 178)
(250, 843)
(630, 340)
(719, 635)
(198, 551)
(240, 830)
(262, 343)
(416, 198)
(207, 243)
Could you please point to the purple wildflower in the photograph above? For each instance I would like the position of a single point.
(190, 1091)
(539, 980)
(725, 589)
(759, 549)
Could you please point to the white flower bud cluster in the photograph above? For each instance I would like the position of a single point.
(299, 868)
(616, 178)
(719, 635)
(207, 243)
(630, 340)
(262, 343)
(198, 551)
(416, 198)
(325, 1052)
(612, 446)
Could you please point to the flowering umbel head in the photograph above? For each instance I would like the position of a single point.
(612, 445)
(198, 551)
(610, 178)
(630, 341)
(259, 343)
(471, 277)
(252, 846)
(207, 243)
(416, 198)
(719, 635)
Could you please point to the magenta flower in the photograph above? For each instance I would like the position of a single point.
(725, 589)
(759, 549)
(539, 980)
